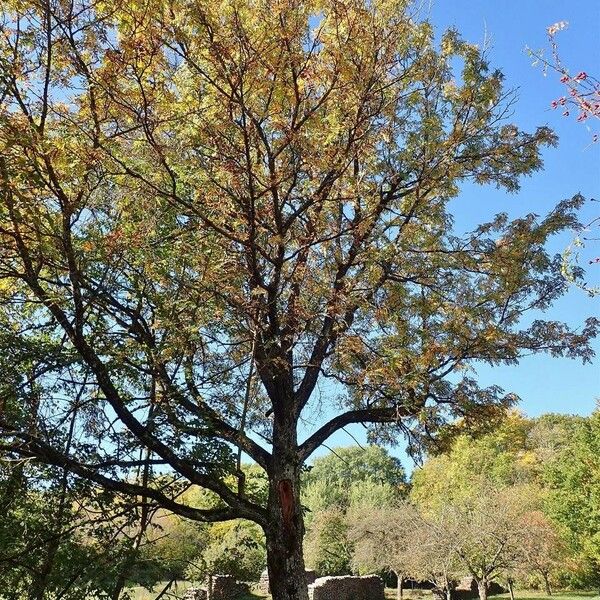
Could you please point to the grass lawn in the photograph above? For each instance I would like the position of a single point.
(390, 594)
(519, 595)
(178, 590)
(540, 595)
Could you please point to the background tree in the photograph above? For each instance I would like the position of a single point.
(59, 540)
(383, 541)
(548, 461)
(173, 545)
(236, 548)
(573, 502)
(345, 481)
(488, 529)
(541, 550)
(347, 475)
(329, 548)
(207, 209)
(433, 556)
(505, 456)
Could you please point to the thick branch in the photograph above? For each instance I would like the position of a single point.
(35, 448)
(364, 415)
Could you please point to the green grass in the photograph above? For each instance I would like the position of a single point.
(390, 594)
(140, 593)
(541, 595)
(177, 590)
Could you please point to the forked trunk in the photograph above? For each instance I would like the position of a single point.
(482, 589)
(447, 588)
(441, 593)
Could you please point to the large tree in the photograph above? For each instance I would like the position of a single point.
(207, 209)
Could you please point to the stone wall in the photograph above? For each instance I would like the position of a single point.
(369, 587)
(467, 589)
(226, 587)
(264, 587)
(195, 594)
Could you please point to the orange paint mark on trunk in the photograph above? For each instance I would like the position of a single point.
(286, 500)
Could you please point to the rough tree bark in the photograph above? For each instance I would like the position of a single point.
(285, 526)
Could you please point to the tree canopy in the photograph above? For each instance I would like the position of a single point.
(346, 476)
(207, 209)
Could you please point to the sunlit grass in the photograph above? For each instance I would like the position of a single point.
(541, 595)
(178, 590)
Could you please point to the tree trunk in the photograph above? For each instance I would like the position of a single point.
(441, 593)
(285, 529)
(118, 587)
(448, 585)
(482, 589)
(511, 589)
(209, 587)
(547, 584)
(399, 589)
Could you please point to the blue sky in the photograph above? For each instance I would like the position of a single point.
(544, 384)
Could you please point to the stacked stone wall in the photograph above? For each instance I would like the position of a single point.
(369, 587)
(226, 587)
(467, 589)
(263, 584)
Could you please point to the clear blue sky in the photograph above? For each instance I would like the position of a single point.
(544, 384)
